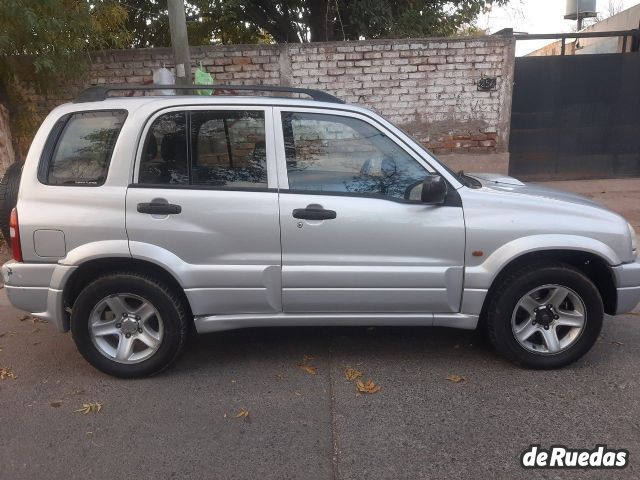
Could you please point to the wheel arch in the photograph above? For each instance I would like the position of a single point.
(593, 266)
(92, 269)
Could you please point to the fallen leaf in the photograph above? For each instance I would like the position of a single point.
(7, 373)
(310, 369)
(280, 376)
(351, 374)
(56, 404)
(242, 413)
(456, 378)
(26, 317)
(367, 387)
(618, 344)
(91, 407)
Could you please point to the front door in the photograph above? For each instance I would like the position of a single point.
(204, 204)
(354, 237)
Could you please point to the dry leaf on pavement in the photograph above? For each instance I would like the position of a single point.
(7, 373)
(367, 387)
(351, 374)
(56, 404)
(242, 413)
(310, 369)
(456, 378)
(91, 407)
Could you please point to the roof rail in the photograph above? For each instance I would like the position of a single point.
(101, 92)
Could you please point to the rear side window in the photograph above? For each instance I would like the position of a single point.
(164, 156)
(219, 148)
(228, 149)
(83, 151)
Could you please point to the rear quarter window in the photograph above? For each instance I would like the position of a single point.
(78, 151)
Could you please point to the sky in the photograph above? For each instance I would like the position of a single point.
(537, 16)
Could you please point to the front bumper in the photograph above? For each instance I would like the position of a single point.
(627, 278)
(37, 289)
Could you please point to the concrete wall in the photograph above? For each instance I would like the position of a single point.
(628, 19)
(426, 86)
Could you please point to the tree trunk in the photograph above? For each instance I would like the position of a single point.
(7, 148)
(321, 21)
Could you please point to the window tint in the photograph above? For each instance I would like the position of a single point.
(342, 154)
(83, 152)
(164, 156)
(228, 149)
(220, 149)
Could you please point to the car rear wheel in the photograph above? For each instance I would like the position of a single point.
(9, 185)
(545, 316)
(129, 325)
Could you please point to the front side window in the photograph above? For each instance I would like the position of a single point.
(332, 153)
(219, 148)
(83, 151)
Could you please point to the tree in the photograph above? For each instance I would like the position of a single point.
(46, 43)
(207, 22)
(294, 21)
(327, 20)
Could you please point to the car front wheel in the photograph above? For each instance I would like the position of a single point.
(545, 316)
(128, 324)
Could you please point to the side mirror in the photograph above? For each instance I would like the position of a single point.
(434, 190)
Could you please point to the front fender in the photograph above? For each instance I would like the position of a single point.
(483, 275)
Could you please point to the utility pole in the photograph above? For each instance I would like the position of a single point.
(179, 41)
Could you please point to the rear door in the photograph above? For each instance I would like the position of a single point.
(354, 237)
(204, 204)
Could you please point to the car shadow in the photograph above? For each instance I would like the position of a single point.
(387, 344)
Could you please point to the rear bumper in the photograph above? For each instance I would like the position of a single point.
(627, 278)
(37, 288)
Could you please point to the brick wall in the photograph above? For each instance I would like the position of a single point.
(426, 86)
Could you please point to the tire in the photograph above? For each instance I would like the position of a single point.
(524, 297)
(163, 324)
(9, 185)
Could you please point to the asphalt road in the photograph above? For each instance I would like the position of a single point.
(182, 423)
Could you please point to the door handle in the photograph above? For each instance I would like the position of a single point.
(314, 212)
(159, 208)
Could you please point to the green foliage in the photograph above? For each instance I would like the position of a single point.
(207, 22)
(45, 42)
(293, 21)
(326, 20)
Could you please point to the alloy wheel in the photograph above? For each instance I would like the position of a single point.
(126, 328)
(548, 319)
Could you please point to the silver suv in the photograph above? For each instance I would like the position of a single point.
(138, 217)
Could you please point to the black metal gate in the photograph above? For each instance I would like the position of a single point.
(576, 117)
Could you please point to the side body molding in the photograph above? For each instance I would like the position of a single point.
(220, 287)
